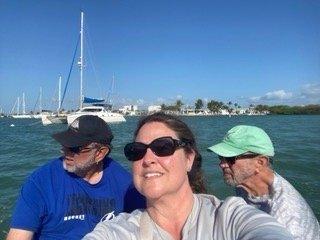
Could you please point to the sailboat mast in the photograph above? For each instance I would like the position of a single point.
(112, 89)
(40, 100)
(59, 95)
(12, 112)
(112, 86)
(18, 107)
(23, 104)
(81, 61)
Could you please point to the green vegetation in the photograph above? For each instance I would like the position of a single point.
(216, 107)
(289, 110)
(173, 108)
(198, 105)
(179, 104)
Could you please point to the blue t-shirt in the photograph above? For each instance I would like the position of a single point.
(56, 204)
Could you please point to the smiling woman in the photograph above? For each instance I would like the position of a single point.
(158, 177)
(163, 155)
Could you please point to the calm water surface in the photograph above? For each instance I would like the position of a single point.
(28, 145)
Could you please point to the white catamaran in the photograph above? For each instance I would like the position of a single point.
(106, 114)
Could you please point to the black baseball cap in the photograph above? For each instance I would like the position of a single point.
(85, 130)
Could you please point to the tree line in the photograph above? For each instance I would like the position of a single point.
(212, 105)
(290, 110)
(217, 106)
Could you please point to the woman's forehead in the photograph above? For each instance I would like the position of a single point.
(153, 130)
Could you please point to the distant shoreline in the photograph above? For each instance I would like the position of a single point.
(216, 110)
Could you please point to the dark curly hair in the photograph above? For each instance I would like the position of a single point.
(195, 175)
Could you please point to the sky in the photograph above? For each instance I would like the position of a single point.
(248, 52)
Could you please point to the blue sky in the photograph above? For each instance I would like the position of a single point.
(160, 51)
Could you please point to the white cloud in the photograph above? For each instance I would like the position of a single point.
(311, 90)
(277, 95)
(254, 99)
(179, 97)
(308, 94)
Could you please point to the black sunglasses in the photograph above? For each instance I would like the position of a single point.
(164, 146)
(232, 160)
(76, 150)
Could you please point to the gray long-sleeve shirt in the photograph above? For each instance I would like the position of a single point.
(209, 219)
(286, 205)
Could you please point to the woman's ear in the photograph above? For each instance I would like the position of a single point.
(190, 159)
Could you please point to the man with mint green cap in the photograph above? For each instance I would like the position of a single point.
(245, 159)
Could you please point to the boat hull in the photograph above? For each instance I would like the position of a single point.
(53, 119)
(108, 117)
(21, 116)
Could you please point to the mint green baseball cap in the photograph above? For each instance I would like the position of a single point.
(241, 139)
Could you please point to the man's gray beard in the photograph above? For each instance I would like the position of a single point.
(80, 171)
(238, 177)
(230, 181)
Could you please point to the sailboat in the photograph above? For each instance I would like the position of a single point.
(96, 108)
(1, 113)
(18, 115)
(53, 118)
(39, 114)
(56, 117)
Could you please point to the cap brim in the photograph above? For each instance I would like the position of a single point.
(225, 150)
(70, 139)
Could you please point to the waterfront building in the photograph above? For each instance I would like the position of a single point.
(154, 108)
(131, 110)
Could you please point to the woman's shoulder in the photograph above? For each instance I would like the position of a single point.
(123, 226)
(233, 218)
(216, 202)
(211, 206)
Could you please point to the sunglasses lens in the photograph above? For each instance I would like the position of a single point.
(230, 160)
(75, 149)
(135, 151)
(163, 147)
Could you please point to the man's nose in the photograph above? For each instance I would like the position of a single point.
(223, 164)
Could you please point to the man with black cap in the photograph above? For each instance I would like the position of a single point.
(245, 159)
(67, 197)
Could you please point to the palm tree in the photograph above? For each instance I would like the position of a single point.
(179, 104)
(198, 104)
(214, 106)
(230, 108)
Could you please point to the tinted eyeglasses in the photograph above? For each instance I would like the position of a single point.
(232, 160)
(76, 150)
(164, 146)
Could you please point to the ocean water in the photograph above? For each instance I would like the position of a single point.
(28, 145)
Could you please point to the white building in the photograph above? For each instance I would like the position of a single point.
(129, 110)
(224, 112)
(154, 108)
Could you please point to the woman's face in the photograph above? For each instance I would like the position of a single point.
(155, 176)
